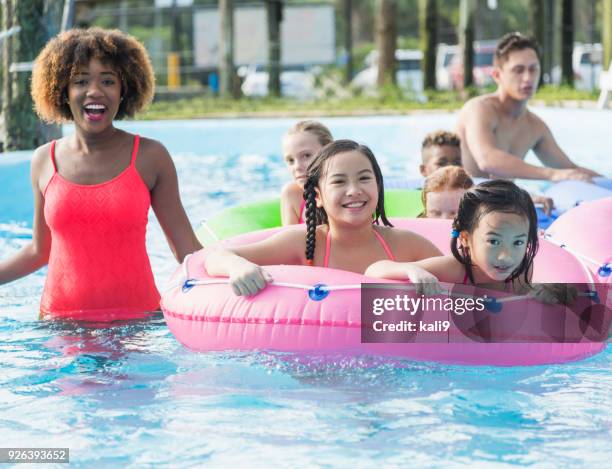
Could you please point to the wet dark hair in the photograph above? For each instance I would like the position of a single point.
(440, 138)
(317, 215)
(495, 196)
(511, 42)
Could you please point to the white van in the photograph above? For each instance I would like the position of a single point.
(444, 56)
(408, 72)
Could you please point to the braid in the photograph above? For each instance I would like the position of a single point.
(311, 219)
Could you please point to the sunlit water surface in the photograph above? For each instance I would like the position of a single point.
(131, 395)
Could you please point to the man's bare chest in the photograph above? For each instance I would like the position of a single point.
(515, 139)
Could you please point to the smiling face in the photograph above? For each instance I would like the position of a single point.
(94, 96)
(439, 156)
(497, 245)
(298, 150)
(348, 190)
(443, 204)
(519, 74)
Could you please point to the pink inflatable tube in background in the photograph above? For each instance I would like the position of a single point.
(290, 315)
(586, 232)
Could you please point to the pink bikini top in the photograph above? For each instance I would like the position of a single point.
(378, 237)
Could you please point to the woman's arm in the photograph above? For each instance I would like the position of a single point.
(166, 202)
(242, 264)
(35, 254)
(425, 274)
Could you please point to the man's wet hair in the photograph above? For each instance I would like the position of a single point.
(512, 42)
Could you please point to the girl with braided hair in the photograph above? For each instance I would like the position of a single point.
(493, 243)
(344, 196)
(300, 144)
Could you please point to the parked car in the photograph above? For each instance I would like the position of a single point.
(408, 71)
(296, 82)
(444, 57)
(484, 52)
(587, 65)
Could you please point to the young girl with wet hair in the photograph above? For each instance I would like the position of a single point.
(344, 196)
(93, 189)
(300, 144)
(493, 243)
(442, 191)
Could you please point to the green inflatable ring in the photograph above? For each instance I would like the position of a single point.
(254, 216)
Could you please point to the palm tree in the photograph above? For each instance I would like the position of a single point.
(20, 122)
(347, 13)
(386, 40)
(274, 10)
(428, 25)
(466, 39)
(537, 29)
(226, 48)
(567, 41)
(607, 32)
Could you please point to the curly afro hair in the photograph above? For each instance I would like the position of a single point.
(62, 57)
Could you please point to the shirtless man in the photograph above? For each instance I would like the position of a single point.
(497, 130)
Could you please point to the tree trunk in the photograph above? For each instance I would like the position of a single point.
(428, 22)
(21, 127)
(537, 29)
(548, 48)
(567, 42)
(347, 11)
(67, 15)
(226, 48)
(386, 40)
(59, 17)
(274, 9)
(607, 33)
(466, 40)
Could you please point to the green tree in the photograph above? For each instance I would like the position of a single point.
(21, 126)
(274, 13)
(537, 29)
(226, 48)
(567, 41)
(466, 39)
(386, 40)
(428, 15)
(347, 13)
(607, 32)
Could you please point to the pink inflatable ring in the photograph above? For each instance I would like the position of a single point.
(313, 309)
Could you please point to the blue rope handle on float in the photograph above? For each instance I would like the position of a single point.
(320, 291)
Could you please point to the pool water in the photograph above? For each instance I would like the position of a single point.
(131, 395)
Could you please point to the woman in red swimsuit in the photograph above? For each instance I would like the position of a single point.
(93, 189)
